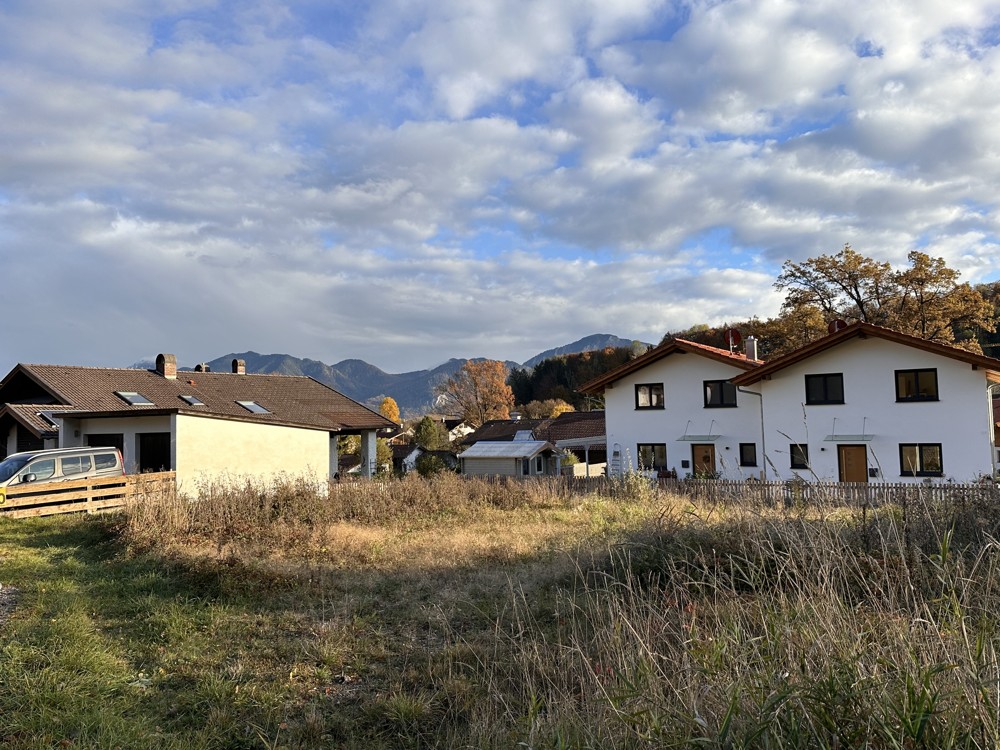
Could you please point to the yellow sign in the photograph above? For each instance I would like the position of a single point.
(3, 495)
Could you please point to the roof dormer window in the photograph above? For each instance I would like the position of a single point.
(133, 399)
(253, 407)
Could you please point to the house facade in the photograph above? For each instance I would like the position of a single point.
(199, 424)
(866, 403)
(862, 404)
(510, 458)
(674, 412)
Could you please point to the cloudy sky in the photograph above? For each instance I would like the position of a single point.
(405, 181)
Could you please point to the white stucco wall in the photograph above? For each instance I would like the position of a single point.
(215, 447)
(682, 376)
(959, 420)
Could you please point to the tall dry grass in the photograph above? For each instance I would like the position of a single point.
(719, 625)
(764, 629)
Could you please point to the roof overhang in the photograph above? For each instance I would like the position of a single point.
(848, 438)
(698, 438)
(586, 442)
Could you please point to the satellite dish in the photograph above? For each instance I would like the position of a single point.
(836, 325)
(733, 338)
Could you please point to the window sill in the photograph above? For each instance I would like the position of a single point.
(922, 474)
(720, 406)
(649, 408)
(917, 400)
(825, 403)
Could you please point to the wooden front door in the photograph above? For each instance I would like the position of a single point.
(703, 459)
(853, 460)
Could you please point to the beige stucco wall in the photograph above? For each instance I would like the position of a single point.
(214, 447)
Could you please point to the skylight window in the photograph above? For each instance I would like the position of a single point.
(253, 406)
(133, 398)
(193, 401)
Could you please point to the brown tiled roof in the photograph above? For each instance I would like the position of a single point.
(291, 400)
(30, 416)
(500, 429)
(572, 425)
(673, 346)
(989, 365)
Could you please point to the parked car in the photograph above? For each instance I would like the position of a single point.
(60, 465)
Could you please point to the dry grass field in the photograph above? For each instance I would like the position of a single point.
(466, 614)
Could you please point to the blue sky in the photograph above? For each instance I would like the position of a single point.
(412, 180)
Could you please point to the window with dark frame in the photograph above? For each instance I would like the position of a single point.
(827, 388)
(719, 394)
(800, 455)
(917, 385)
(920, 460)
(649, 396)
(134, 399)
(748, 454)
(652, 455)
(253, 406)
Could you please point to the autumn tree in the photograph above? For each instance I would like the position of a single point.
(846, 285)
(389, 409)
(933, 305)
(478, 392)
(551, 407)
(925, 299)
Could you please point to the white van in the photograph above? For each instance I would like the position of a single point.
(60, 465)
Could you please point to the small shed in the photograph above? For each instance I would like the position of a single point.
(517, 458)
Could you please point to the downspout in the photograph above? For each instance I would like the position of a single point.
(763, 448)
(993, 429)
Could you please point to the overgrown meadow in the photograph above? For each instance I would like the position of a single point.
(468, 614)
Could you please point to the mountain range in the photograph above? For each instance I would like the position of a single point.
(412, 391)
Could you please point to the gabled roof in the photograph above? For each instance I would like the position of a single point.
(506, 449)
(500, 429)
(862, 330)
(673, 346)
(290, 400)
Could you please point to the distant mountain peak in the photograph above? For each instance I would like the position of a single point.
(367, 384)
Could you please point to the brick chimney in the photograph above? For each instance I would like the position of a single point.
(240, 366)
(166, 365)
(202, 367)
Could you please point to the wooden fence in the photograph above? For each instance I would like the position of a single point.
(849, 494)
(82, 495)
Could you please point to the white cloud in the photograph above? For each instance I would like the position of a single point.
(417, 180)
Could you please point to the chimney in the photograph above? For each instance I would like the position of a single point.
(239, 367)
(202, 367)
(752, 348)
(166, 365)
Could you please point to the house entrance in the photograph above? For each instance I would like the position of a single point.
(853, 461)
(154, 451)
(703, 459)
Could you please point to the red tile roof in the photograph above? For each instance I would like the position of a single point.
(673, 346)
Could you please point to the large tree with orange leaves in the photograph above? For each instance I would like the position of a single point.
(478, 392)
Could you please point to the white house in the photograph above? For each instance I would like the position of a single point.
(868, 403)
(198, 424)
(674, 411)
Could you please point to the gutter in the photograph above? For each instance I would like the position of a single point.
(763, 448)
